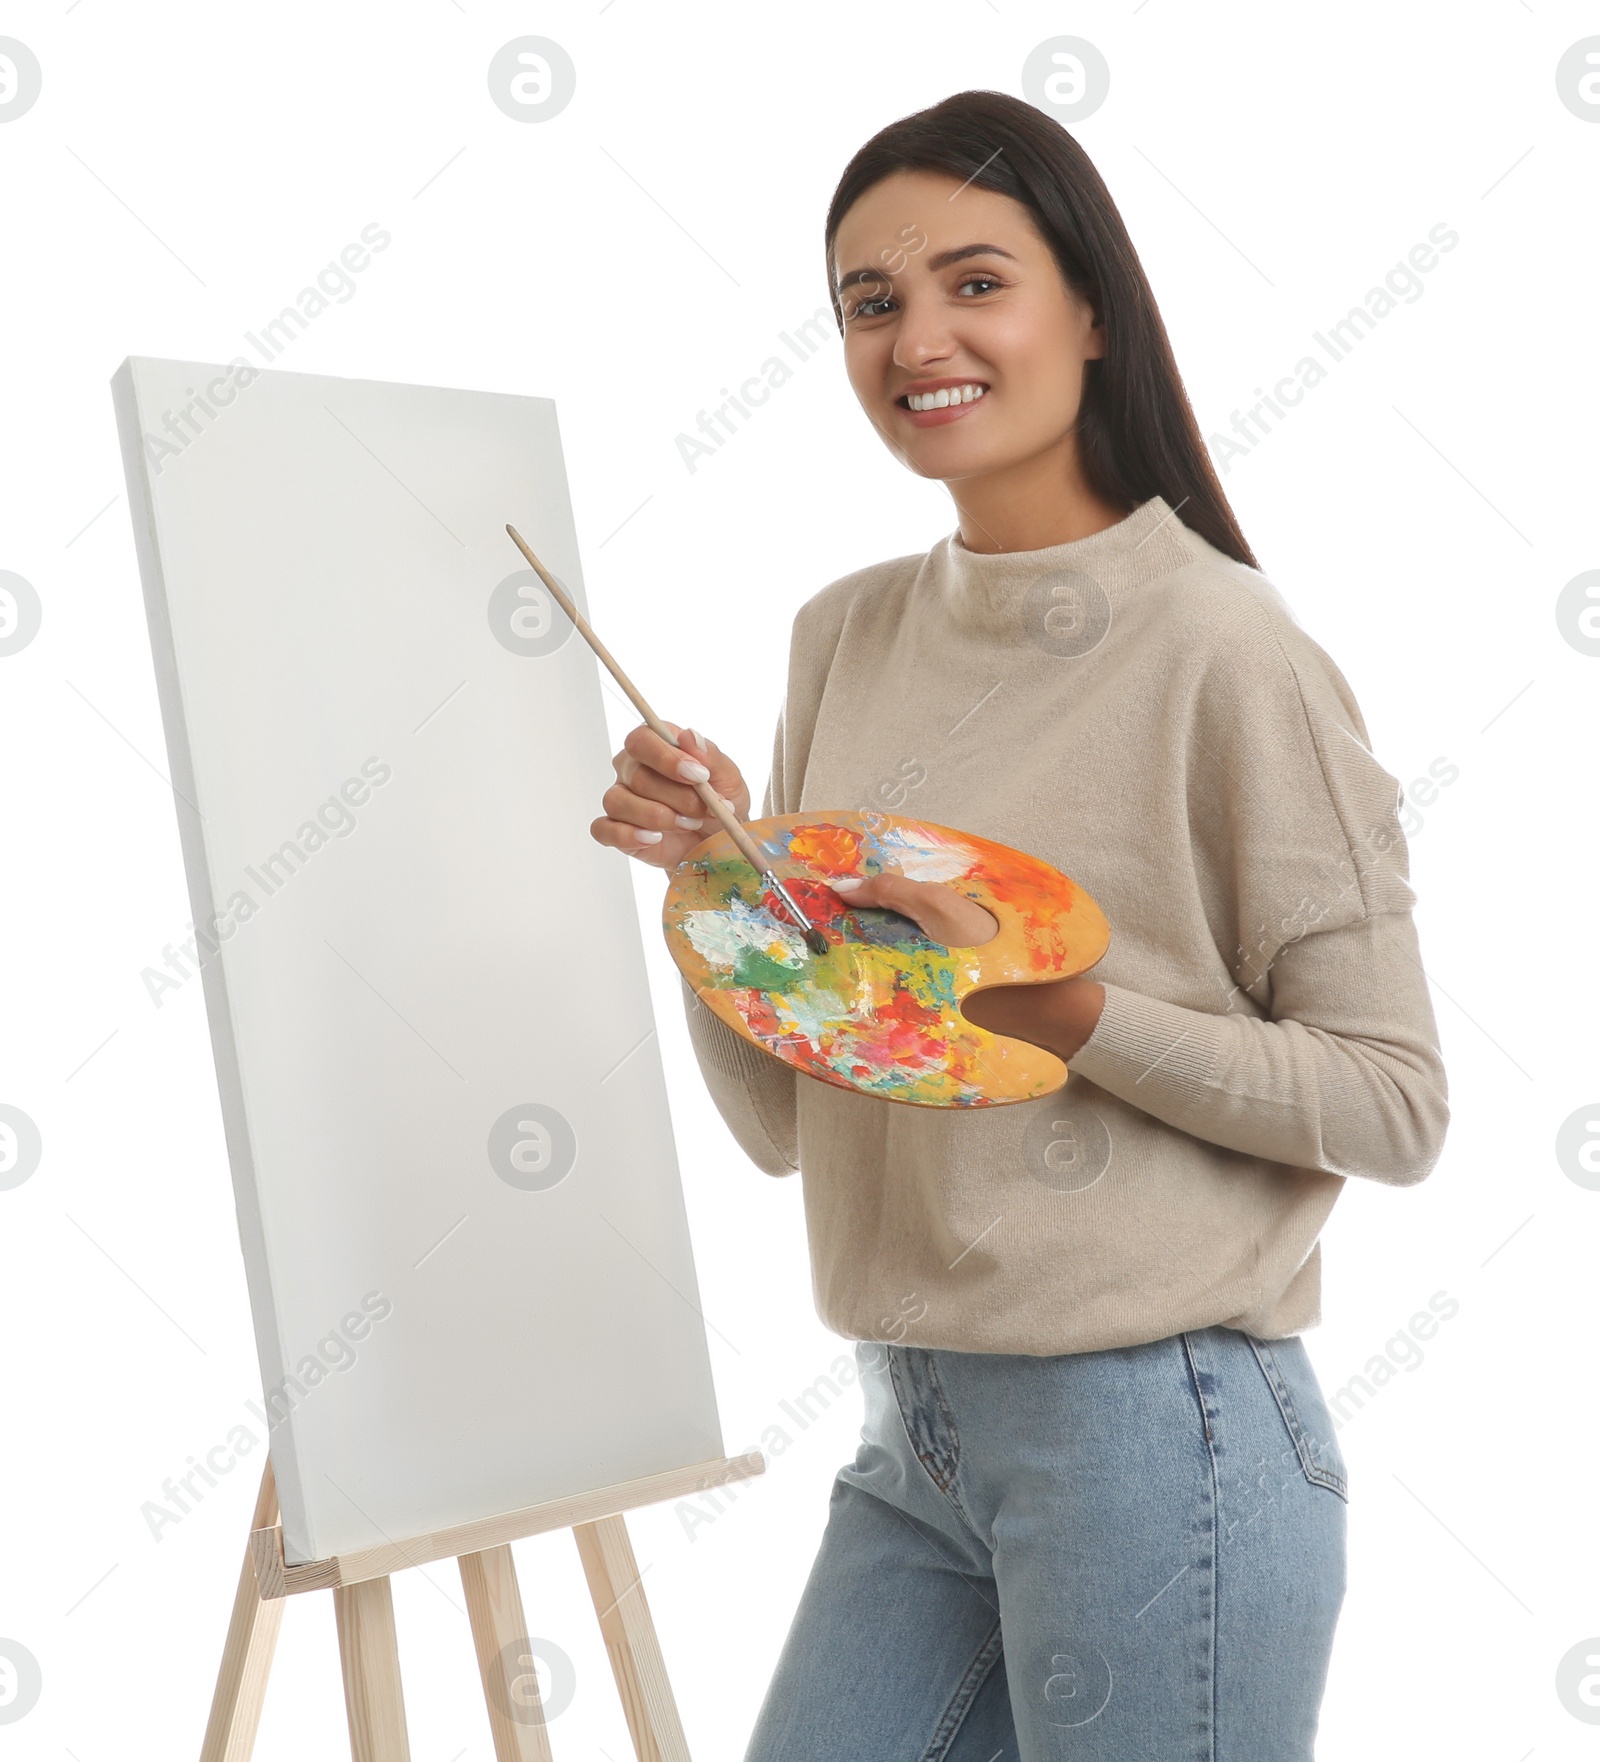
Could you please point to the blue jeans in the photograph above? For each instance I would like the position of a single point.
(1126, 1556)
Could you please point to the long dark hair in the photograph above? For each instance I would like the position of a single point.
(1137, 434)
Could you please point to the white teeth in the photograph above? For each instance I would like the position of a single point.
(945, 396)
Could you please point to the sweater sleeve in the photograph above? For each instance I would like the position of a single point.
(1345, 1077)
(1295, 831)
(753, 1091)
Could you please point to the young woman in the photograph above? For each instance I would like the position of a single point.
(1098, 1510)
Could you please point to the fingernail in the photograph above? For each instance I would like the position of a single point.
(698, 738)
(647, 837)
(688, 824)
(845, 883)
(692, 771)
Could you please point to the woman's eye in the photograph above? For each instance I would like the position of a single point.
(873, 308)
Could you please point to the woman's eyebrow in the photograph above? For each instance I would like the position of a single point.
(940, 260)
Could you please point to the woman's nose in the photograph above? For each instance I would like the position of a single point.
(923, 337)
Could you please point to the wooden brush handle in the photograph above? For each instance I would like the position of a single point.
(726, 818)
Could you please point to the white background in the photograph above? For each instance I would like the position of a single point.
(188, 170)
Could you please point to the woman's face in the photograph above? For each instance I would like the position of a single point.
(944, 285)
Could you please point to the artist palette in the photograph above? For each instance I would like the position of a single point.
(880, 1012)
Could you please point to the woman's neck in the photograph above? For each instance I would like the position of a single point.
(1029, 508)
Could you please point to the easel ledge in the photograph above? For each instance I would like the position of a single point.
(368, 1649)
(276, 1578)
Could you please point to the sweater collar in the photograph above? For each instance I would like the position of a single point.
(989, 590)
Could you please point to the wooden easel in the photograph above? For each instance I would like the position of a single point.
(364, 1609)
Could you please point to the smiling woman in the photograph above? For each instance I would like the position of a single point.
(1098, 1489)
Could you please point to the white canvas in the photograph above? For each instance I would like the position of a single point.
(320, 560)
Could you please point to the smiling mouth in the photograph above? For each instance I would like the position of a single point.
(945, 398)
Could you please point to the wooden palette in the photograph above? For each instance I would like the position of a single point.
(880, 1012)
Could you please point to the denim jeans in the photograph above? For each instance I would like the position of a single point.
(1134, 1555)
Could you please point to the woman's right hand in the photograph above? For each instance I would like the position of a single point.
(653, 811)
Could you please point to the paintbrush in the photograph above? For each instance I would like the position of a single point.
(729, 821)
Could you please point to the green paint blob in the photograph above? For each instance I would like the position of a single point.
(758, 970)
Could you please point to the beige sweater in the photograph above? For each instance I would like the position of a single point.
(1145, 714)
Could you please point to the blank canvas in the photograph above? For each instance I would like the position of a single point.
(452, 1158)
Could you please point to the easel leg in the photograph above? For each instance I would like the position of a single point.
(370, 1656)
(247, 1655)
(494, 1605)
(630, 1637)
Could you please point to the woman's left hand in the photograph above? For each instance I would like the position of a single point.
(1057, 1014)
(942, 914)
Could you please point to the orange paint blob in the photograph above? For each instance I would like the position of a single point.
(832, 850)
